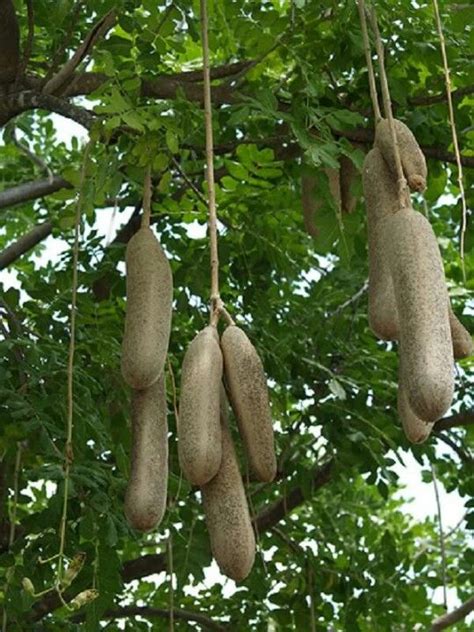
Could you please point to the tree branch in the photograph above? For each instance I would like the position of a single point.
(98, 31)
(450, 618)
(31, 100)
(441, 98)
(24, 244)
(465, 418)
(148, 612)
(32, 190)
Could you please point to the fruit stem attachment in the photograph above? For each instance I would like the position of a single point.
(387, 106)
(211, 193)
(146, 199)
(368, 59)
(452, 122)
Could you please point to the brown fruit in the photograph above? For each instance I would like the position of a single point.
(421, 295)
(381, 201)
(248, 393)
(9, 42)
(199, 428)
(145, 498)
(148, 315)
(462, 341)
(227, 514)
(412, 158)
(310, 201)
(416, 430)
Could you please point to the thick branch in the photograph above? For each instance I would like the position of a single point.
(24, 244)
(32, 191)
(152, 613)
(31, 100)
(441, 98)
(455, 421)
(450, 618)
(295, 497)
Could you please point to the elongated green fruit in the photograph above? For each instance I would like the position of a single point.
(248, 392)
(227, 514)
(412, 158)
(381, 200)
(9, 42)
(145, 498)
(148, 316)
(422, 303)
(199, 428)
(416, 430)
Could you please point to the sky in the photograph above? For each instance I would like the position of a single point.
(420, 500)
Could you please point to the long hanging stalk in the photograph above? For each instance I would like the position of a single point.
(452, 122)
(68, 449)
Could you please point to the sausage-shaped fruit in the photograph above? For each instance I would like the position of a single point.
(381, 201)
(416, 430)
(422, 304)
(227, 514)
(462, 341)
(199, 428)
(412, 158)
(9, 42)
(311, 202)
(145, 498)
(248, 394)
(148, 314)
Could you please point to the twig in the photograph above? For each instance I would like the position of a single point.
(453, 130)
(351, 300)
(65, 73)
(37, 160)
(441, 537)
(170, 570)
(402, 183)
(215, 296)
(189, 182)
(462, 454)
(61, 48)
(368, 58)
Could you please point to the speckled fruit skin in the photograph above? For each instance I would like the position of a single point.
(148, 314)
(227, 514)
(422, 303)
(381, 200)
(416, 430)
(248, 394)
(145, 498)
(412, 158)
(199, 429)
(462, 341)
